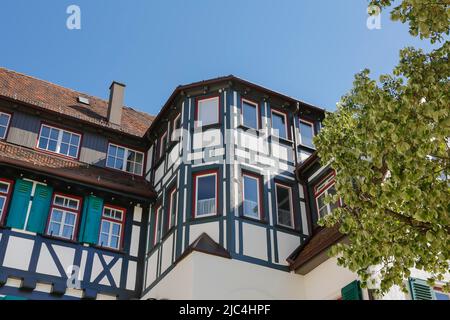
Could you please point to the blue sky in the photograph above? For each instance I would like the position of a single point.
(308, 49)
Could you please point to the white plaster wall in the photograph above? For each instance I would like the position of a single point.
(13, 259)
(207, 138)
(287, 243)
(254, 241)
(211, 228)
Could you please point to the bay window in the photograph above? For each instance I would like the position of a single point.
(285, 213)
(4, 124)
(64, 215)
(124, 159)
(59, 141)
(205, 194)
(321, 191)
(207, 111)
(252, 196)
(111, 227)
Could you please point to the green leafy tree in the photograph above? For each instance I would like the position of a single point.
(389, 142)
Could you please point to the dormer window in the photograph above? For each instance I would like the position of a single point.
(125, 159)
(4, 124)
(307, 133)
(59, 141)
(207, 111)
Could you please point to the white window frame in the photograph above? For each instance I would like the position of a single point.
(112, 221)
(257, 113)
(291, 208)
(311, 124)
(285, 123)
(157, 236)
(198, 122)
(7, 124)
(322, 189)
(173, 137)
(125, 159)
(65, 210)
(59, 141)
(258, 184)
(196, 194)
(171, 195)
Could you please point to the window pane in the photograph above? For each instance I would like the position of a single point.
(64, 149)
(67, 232)
(306, 131)
(206, 195)
(278, 125)
(441, 296)
(116, 229)
(73, 151)
(52, 144)
(4, 187)
(112, 150)
(251, 205)
(105, 226)
(43, 143)
(4, 120)
(114, 242)
(2, 132)
(75, 140)
(250, 115)
(208, 111)
(2, 204)
(54, 133)
(70, 219)
(66, 137)
(121, 153)
(284, 206)
(54, 228)
(45, 132)
(173, 209)
(110, 162)
(103, 239)
(57, 215)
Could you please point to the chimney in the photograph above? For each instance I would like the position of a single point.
(117, 92)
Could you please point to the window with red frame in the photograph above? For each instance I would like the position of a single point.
(64, 215)
(207, 111)
(205, 194)
(111, 227)
(172, 213)
(307, 133)
(251, 195)
(250, 114)
(59, 141)
(157, 230)
(285, 208)
(280, 124)
(325, 188)
(5, 195)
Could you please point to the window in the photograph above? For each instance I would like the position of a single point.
(250, 114)
(111, 227)
(162, 145)
(176, 126)
(64, 214)
(440, 295)
(207, 111)
(125, 159)
(285, 212)
(321, 191)
(59, 141)
(279, 124)
(4, 124)
(205, 194)
(172, 215)
(251, 196)
(5, 192)
(157, 232)
(306, 133)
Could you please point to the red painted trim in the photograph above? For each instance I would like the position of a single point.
(287, 122)
(198, 99)
(121, 222)
(169, 213)
(77, 214)
(161, 151)
(8, 126)
(317, 194)
(8, 198)
(194, 193)
(258, 110)
(260, 192)
(139, 150)
(291, 201)
(48, 124)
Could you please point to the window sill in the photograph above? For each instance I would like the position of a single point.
(117, 251)
(257, 220)
(286, 228)
(251, 130)
(282, 140)
(46, 236)
(204, 218)
(207, 127)
(307, 147)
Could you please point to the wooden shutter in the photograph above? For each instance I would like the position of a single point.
(19, 204)
(352, 291)
(90, 223)
(420, 290)
(40, 209)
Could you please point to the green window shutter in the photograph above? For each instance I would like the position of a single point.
(90, 223)
(19, 204)
(352, 291)
(40, 209)
(12, 298)
(420, 290)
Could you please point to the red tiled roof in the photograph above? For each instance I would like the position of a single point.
(49, 96)
(74, 170)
